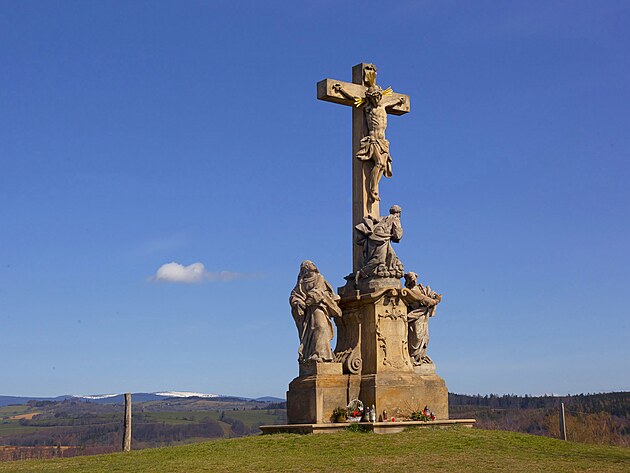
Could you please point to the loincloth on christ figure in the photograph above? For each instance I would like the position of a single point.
(376, 149)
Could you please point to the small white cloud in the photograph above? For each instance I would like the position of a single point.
(175, 272)
(194, 273)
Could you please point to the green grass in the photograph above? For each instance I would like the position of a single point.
(15, 428)
(8, 411)
(169, 417)
(249, 417)
(426, 450)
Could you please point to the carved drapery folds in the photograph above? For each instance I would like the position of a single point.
(375, 235)
(400, 322)
(421, 302)
(374, 147)
(313, 305)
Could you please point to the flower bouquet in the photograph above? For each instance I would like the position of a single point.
(355, 411)
(424, 415)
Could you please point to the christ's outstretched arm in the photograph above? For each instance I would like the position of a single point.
(339, 88)
(393, 101)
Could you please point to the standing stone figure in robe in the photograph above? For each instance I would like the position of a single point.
(375, 236)
(418, 318)
(313, 304)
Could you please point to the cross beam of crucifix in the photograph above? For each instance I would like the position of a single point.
(370, 149)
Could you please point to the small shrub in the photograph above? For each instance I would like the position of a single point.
(340, 414)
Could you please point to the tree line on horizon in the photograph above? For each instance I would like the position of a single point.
(616, 403)
(590, 418)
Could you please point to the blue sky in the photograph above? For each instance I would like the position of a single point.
(135, 134)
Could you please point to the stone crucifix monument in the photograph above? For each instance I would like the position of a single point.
(382, 327)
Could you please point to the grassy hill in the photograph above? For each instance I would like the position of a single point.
(44, 429)
(427, 450)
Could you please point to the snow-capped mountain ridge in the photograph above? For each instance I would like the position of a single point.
(137, 397)
(143, 397)
(185, 394)
(94, 396)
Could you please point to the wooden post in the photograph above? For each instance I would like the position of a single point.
(563, 425)
(126, 446)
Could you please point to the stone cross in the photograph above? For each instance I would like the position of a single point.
(345, 93)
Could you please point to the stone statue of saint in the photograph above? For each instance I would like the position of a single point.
(418, 318)
(375, 147)
(313, 304)
(375, 236)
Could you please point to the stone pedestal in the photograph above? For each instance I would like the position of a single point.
(319, 389)
(374, 329)
(373, 364)
(311, 399)
(401, 394)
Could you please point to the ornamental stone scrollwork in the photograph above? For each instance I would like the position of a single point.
(348, 349)
(391, 331)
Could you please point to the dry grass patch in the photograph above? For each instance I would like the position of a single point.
(28, 416)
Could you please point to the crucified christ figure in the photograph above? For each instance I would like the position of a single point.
(374, 146)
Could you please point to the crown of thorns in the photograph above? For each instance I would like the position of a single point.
(374, 90)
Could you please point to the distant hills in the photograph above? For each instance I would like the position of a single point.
(136, 397)
(9, 400)
(171, 417)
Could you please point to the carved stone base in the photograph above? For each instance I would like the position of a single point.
(424, 368)
(375, 284)
(374, 329)
(374, 326)
(312, 399)
(308, 368)
(372, 350)
(365, 286)
(402, 393)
